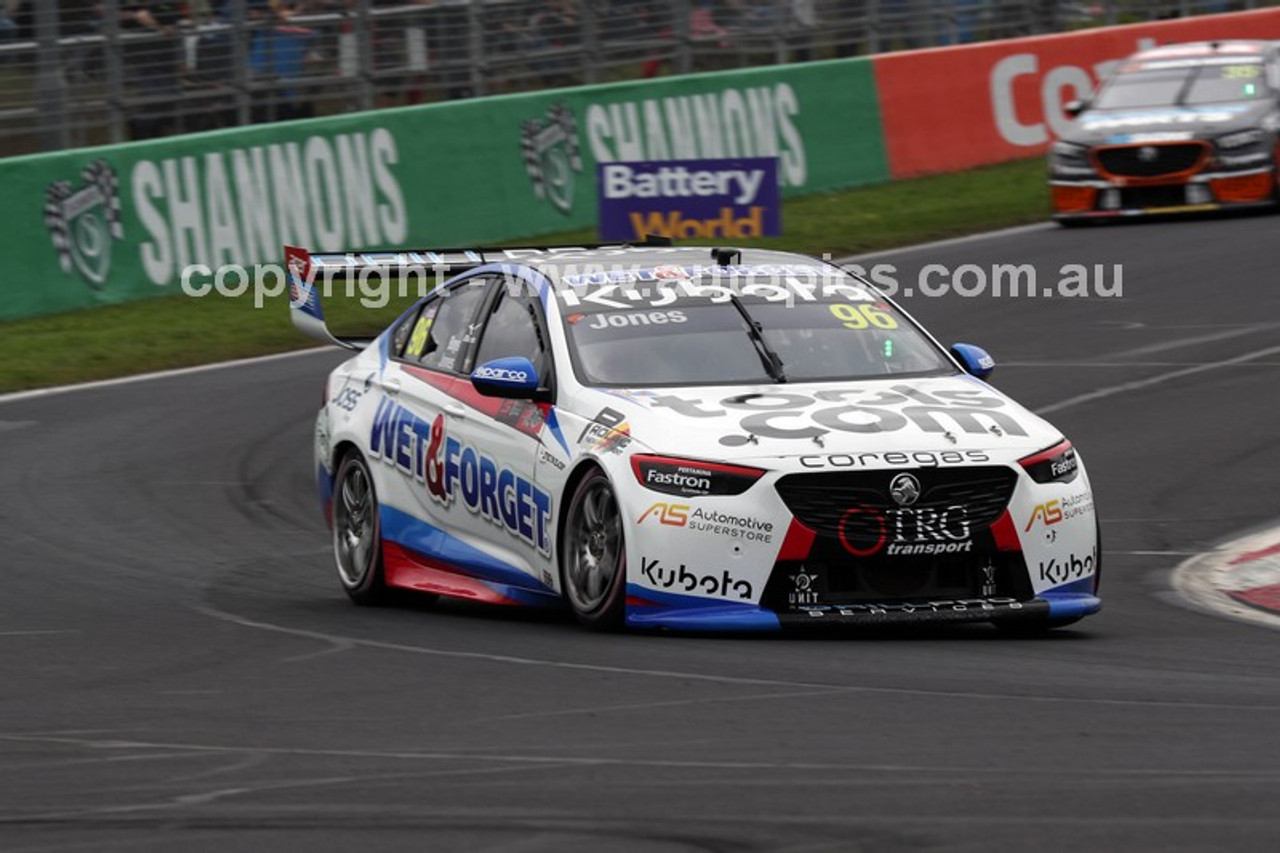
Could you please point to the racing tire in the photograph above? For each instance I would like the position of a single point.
(357, 533)
(593, 556)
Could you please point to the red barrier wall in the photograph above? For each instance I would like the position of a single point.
(952, 108)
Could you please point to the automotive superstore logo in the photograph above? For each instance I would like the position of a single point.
(452, 470)
(714, 522)
(552, 156)
(84, 220)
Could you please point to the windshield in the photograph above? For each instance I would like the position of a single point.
(1184, 85)
(749, 339)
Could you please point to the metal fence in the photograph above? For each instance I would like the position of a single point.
(77, 72)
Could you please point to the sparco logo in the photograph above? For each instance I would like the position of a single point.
(551, 155)
(83, 221)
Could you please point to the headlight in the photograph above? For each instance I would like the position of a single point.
(1057, 464)
(1240, 139)
(1067, 151)
(1069, 158)
(691, 477)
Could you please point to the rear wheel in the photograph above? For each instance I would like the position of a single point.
(357, 535)
(593, 563)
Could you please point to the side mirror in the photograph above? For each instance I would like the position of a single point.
(512, 378)
(974, 360)
(1074, 108)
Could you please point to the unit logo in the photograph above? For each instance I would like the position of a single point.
(552, 156)
(83, 221)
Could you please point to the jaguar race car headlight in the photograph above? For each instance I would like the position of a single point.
(1067, 160)
(1057, 464)
(690, 477)
(1067, 154)
(1240, 139)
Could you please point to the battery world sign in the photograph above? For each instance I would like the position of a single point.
(689, 199)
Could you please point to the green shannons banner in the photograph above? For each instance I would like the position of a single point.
(105, 225)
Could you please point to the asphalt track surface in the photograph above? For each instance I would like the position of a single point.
(179, 671)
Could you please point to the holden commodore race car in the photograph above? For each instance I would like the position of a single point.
(700, 439)
(1180, 128)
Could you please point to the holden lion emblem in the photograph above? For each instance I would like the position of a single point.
(551, 155)
(83, 222)
(904, 489)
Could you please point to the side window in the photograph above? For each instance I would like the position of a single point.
(446, 327)
(400, 336)
(513, 330)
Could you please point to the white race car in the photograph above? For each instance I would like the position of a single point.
(687, 438)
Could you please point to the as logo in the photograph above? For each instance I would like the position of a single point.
(551, 155)
(676, 515)
(83, 221)
(1049, 512)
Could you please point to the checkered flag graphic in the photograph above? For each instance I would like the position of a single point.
(99, 173)
(55, 220)
(529, 131)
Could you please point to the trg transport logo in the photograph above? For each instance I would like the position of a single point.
(552, 155)
(84, 220)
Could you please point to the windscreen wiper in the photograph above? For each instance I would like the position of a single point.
(771, 360)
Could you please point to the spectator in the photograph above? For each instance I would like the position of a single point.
(152, 65)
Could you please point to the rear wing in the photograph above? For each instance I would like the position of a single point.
(308, 275)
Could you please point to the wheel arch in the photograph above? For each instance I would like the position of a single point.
(584, 467)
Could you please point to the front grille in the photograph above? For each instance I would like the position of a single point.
(1168, 195)
(869, 549)
(1150, 161)
(854, 504)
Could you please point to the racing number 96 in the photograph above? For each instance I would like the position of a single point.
(862, 316)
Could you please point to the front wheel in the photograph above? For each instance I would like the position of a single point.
(593, 563)
(357, 535)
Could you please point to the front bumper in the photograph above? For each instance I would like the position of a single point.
(1102, 198)
(645, 610)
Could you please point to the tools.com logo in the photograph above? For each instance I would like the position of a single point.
(552, 156)
(83, 222)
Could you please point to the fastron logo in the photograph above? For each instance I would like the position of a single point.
(551, 155)
(83, 221)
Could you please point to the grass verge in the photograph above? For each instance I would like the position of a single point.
(178, 331)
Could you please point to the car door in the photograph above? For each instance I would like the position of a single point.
(478, 468)
(426, 357)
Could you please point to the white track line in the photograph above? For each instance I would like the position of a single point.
(1138, 384)
(947, 243)
(159, 374)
